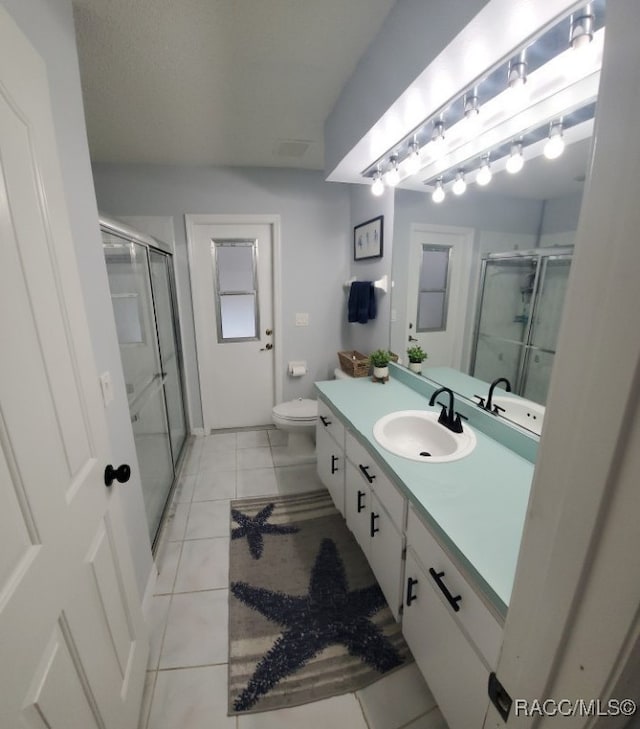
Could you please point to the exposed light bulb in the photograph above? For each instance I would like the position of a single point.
(377, 188)
(438, 195)
(581, 28)
(555, 144)
(484, 173)
(412, 163)
(459, 186)
(437, 138)
(392, 176)
(516, 161)
(471, 105)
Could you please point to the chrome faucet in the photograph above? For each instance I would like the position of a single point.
(489, 406)
(449, 418)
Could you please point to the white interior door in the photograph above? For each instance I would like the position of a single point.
(72, 637)
(437, 292)
(232, 268)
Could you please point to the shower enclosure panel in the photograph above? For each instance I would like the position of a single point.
(521, 301)
(140, 280)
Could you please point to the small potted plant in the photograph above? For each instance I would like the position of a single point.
(380, 361)
(417, 356)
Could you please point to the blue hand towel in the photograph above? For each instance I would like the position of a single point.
(362, 302)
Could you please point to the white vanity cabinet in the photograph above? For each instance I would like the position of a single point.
(452, 634)
(330, 454)
(375, 512)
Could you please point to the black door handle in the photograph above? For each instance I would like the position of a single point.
(334, 459)
(361, 495)
(410, 596)
(365, 472)
(453, 600)
(324, 421)
(121, 474)
(373, 527)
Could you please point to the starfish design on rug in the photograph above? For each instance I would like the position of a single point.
(253, 528)
(329, 614)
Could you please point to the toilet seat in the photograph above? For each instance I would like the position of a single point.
(299, 410)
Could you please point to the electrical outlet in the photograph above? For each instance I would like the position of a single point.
(106, 385)
(302, 320)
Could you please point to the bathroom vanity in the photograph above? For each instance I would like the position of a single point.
(442, 538)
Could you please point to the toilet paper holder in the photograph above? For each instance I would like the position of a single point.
(297, 369)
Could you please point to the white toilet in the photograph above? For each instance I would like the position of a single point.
(298, 419)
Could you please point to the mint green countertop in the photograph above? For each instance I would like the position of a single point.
(476, 505)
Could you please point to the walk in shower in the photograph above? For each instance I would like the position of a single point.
(521, 301)
(142, 293)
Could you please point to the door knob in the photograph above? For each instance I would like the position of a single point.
(269, 332)
(121, 474)
(267, 346)
(412, 339)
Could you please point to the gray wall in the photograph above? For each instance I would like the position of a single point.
(49, 26)
(365, 206)
(413, 34)
(315, 218)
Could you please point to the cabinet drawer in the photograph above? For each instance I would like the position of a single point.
(371, 473)
(475, 617)
(451, 667)
(330, 423)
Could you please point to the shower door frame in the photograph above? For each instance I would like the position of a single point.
(537, 254)
(113, 227)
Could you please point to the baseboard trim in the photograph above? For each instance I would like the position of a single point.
(149, 591)
(198, 431)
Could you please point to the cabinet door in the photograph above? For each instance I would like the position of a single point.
(331, 464)
(357, 507)
(385, 554)
(454, 672)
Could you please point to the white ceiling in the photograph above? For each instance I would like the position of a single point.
(222, 82)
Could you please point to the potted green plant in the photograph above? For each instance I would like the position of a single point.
(417, 356)
(380, 361)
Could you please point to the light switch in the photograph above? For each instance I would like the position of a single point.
(302, 320)
(107, 388)
(394, 315)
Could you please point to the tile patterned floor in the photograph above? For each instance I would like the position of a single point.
(186, 682)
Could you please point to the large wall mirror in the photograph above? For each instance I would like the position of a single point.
(510, 244)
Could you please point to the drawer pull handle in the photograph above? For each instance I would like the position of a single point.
(410, 596)
(360, 505)
(373, 526)
(365, 473)
(453, 600)
(334, 460)
(325, 421)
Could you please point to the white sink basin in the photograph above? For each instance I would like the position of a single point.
(417, 435)
(522, 412)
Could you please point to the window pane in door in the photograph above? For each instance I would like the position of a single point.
(434, 268)
(431, 311)
(238, 316)
(235, 267)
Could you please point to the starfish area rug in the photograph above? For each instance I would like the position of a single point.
(307, 619)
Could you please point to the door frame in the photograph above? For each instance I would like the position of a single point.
(192, 221)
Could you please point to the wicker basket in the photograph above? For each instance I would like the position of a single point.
(354, 363)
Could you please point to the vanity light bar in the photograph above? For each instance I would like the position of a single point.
(574, 30)
(503, 151)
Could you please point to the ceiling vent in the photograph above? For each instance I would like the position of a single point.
(291, 148)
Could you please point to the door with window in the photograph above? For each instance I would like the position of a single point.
(232, 288)
(437, 292)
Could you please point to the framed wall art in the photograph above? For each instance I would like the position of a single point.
(367, 239)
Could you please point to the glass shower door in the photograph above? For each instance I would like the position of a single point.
(169, 351)
(505, 314)
(545, 327)
(130, 285)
